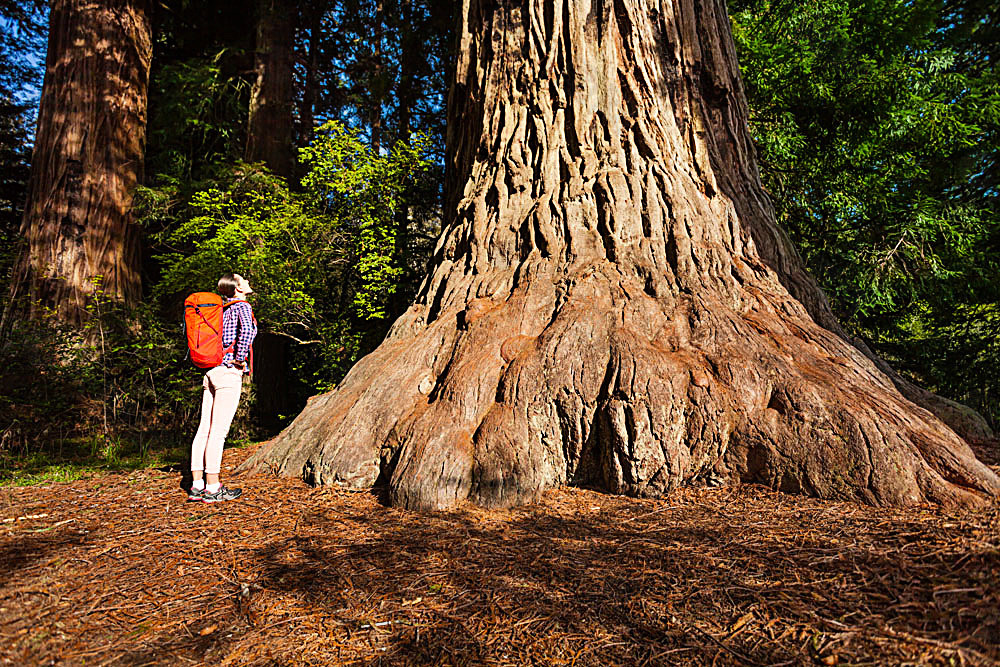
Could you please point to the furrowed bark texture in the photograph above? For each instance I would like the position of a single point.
(88, 157)
(612, 303)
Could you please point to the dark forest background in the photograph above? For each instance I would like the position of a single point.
(878, 129)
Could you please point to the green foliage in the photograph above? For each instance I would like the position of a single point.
(322, 260)
(20, 37)
(960, 353)
(119, 392)
(877, 126)
(381, 61)
(77, 458)
(112, 394)
(197, 117)
(364, 192)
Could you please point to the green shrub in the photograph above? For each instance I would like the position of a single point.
(113, 394)
(322, 260)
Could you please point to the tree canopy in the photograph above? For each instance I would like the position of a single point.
(877, 124)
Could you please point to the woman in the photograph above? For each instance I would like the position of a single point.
(222, 392)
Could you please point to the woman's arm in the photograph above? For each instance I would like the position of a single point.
(247, 332)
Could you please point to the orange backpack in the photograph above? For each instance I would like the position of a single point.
(203, 325)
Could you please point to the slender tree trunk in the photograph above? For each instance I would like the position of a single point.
(88, 158)
(409, 52)
(611, 302)
(269, 138)
(378, 75)
(308, 111)
(272, 397)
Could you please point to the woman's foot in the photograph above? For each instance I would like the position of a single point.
(222, 495)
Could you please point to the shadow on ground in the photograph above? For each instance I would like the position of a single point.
(123, 570)
(637, 583)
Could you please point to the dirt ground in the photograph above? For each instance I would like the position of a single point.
(120, 569)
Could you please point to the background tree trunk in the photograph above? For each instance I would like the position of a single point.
(611, 302)
(272, 397)
(88, 158)
(307, 110)
(269, 138)
(409, 53)
(378, 76)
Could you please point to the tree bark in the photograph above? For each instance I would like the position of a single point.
(611, 302)
(409, 53)
(307, 112)
(269, 139)
(88, 158)
(378, 76)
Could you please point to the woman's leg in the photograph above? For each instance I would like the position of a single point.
(227, 383)
(200, 442)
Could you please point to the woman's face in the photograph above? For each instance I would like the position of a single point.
(242, 285)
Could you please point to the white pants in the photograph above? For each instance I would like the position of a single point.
(218, 406)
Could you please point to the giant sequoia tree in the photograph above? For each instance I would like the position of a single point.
(611, 302)
(88, 156)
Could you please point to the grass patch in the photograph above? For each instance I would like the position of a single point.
(77, 458)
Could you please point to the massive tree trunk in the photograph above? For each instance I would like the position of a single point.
(269, 138)
(611, 302)
(88, 157)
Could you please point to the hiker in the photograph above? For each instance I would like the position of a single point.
(223, 384)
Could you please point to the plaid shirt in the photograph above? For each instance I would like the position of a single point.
(238, 325)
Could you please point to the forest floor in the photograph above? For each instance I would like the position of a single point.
(120, 569)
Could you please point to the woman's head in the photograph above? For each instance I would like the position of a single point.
(233, 284)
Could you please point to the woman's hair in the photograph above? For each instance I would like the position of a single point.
(227, 285)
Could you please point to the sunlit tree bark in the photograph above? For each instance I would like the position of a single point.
(88, 158)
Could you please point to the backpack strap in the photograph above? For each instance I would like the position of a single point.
(205, 320)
